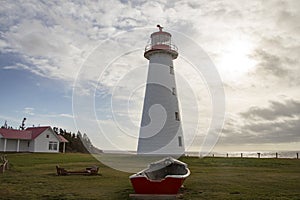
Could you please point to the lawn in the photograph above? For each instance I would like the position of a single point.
(33, 176)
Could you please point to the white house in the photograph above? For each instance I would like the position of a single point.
(33, 139)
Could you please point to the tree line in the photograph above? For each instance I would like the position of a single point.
(77, 142)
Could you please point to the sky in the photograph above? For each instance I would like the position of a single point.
(79, 65)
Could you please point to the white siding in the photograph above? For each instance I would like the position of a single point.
(11, 145)
(41, 143)
(1, 143)
(31, 146)
(24, 145)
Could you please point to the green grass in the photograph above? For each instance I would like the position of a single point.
(243, 178)
(33, 176)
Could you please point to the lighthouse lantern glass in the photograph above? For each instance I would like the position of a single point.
(161, 38)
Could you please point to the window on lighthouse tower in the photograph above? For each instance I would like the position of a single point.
(177, 116)
(171, 70)
(173, 91)
(179, 141)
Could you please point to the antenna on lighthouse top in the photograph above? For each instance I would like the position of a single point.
(160, 27)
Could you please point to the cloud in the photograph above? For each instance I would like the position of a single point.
(56, 37)
(277, 46)
(66, 115)
(279, 122)
(53, 42)
(270, 64)
(276, 110)
(277, 60)
(29, 111)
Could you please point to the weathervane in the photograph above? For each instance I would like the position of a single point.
(160, 27)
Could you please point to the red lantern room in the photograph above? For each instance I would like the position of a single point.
(161, 42)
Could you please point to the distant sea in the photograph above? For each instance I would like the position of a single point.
(249, 154)
(245, 154)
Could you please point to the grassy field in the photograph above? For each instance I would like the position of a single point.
(33, 176)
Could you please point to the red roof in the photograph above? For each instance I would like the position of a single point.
(62, 139)
(36, 131)
(28, 134)
(15, 134)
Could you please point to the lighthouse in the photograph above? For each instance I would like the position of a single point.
(161, 129)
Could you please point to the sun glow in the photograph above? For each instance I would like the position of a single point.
(235, 61)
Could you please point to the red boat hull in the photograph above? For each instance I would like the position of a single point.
(169, 185)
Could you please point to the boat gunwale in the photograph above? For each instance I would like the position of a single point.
(143, 175)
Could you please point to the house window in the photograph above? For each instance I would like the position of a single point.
(47, 136)
(179, 141)
(177, 116)
(52, 145)
(173, 91)
(171, 70)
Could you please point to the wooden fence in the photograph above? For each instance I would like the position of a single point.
(258, 155)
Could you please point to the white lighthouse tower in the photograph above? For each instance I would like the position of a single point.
(161, 130)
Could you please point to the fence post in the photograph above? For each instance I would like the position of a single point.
(227, 155)
(258, 155)
(276, 155)
(241, 155)
(297, 155)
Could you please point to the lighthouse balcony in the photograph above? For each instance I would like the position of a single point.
(153, 48)
(161, 46)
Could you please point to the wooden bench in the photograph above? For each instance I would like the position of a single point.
(88, 171)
